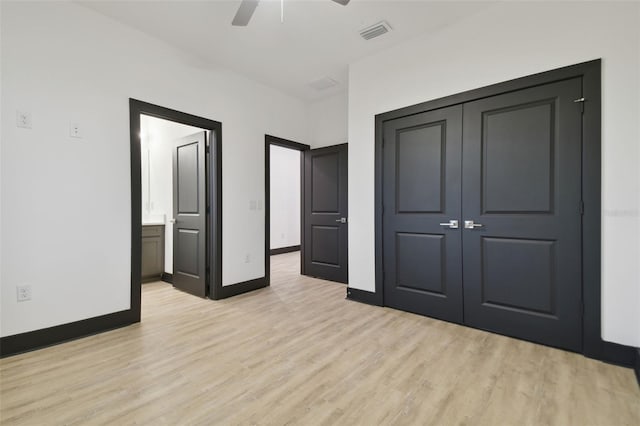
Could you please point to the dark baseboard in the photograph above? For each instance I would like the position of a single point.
(364, 296)
(613, 353)
(37, 339)
(167, 277)
(239, 288)
(636, 367)
(282, 250)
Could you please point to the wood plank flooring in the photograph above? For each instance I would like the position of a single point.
(299, 353)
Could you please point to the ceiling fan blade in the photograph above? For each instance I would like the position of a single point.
(342, 2)
(244, 13)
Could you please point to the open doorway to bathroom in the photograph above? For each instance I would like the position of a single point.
(176, 201)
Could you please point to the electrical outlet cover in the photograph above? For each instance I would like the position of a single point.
(74, 130)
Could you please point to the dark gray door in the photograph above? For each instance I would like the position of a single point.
(325, 213)
(421, 195)
(189, 213)
(522, 184)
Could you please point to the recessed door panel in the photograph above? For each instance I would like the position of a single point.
(189, 214)
(519, 274)
(415, 269)
(421, 192)
(187, 257)
(325, 183)
(517, 158)
(187, 176)
(420, 157)
(326, 213)
(522, 184)
(325, 245)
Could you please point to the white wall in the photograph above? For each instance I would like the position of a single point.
(328, 121)
(157, 138)
(505, 42)
(284, 192)
(66, 202)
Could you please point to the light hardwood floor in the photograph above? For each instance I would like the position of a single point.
(299, 353)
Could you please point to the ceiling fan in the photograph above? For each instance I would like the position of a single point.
(247, 7)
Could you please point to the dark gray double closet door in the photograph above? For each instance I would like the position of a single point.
(510, 163)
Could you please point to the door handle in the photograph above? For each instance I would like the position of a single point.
(452, 224)
(468, 224)
(172, 221)
(342, 220)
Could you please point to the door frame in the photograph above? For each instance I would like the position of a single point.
(268, 141)
(213, 177)
(592, 344)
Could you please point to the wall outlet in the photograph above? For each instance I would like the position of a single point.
(23, 119)
(247, 258)
(74, 130)
(23, 293)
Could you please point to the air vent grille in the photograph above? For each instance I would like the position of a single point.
(375, 30)
(323, 83)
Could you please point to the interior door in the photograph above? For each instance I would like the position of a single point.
(326, 213)
(421, 212)
(189, 214)
(522, 190)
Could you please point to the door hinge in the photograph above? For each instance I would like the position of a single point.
(581, 208)
(582, 308)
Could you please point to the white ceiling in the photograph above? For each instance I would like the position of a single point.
(318, 38)
(157, 129)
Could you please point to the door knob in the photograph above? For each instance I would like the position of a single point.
(342, 220)
(172, 221)
(468, 224)
(452, 224)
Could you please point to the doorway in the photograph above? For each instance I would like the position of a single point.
(173, 204)
(176, 200)
(488, 208)
(321, 207)
(284, 195)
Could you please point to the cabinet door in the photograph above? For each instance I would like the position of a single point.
(151, 257)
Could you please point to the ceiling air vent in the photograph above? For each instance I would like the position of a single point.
(375, 30)
(323, 83)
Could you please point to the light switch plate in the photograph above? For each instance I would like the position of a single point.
(23, 119)
(23, 293)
